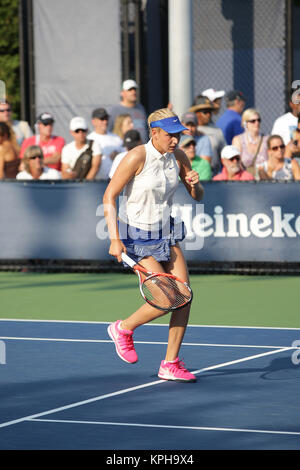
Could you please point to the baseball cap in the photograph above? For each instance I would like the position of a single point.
(234, 94)
(132, 138)
(45, 118)
(230, 151)
(78, 123)
(201, 102)
(212, 94)
(189, 117)
(100, 113)
(170, 124)
(128, 84)
(185, 140)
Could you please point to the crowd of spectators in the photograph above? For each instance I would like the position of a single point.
(220, 146)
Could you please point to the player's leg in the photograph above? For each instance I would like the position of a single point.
(172, 368)
(121, 332)
(179, 318)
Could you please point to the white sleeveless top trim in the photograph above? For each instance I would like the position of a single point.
(147, 199)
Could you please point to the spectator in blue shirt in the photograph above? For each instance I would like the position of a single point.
(230, 121)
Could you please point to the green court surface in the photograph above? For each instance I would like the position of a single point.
(218, 299)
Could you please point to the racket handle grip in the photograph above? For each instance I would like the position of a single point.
(128, 260)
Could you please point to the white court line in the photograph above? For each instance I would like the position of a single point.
(166, 426)
(74, 340)
(131, 389)
(149, 324)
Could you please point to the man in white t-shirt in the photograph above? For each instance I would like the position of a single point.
(111, 144)
(286, 124)
(72, 151)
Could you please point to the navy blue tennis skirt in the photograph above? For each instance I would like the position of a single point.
(142, 243)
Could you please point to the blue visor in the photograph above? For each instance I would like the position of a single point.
(170, 124)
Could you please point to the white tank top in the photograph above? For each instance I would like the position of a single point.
(147, 198)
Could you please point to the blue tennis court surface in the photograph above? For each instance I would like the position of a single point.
(64, 387)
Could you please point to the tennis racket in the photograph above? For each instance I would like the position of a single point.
(161, 290)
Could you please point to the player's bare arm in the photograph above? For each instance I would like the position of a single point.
(131, 165)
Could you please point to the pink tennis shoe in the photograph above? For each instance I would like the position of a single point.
(176, 371)
(123, 342)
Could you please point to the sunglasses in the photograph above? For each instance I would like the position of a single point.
(189, 144)
(235, 158)
(37, 156)
(205, 111)
(278, 147)
(297, 130)
(254, 120)
(5, 110)
(80, 130)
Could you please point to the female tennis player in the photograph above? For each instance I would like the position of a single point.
(145, 230)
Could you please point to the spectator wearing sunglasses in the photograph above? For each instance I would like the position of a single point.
(232, 166)
(51, 144)
(203, 146)
(20, 130)
(230, 120)
(34, 168)
(187, 143)
(203, 109)
(277, 167)
(111, 144)
(251, 143)
(72, 151)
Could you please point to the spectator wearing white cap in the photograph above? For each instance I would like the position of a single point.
(203, 109)
(72, 151)
(215, 97)
(232, 166)
(130, 105)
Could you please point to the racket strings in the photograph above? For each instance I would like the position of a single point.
(166, 292)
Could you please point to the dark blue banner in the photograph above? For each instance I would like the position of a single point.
(236, 221)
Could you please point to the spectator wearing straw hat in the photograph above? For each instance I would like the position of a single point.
(203, 109)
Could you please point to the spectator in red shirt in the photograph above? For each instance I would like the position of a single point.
(232, 167)
(50, 144)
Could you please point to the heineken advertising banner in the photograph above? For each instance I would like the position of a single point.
(236, 221)
(243, 221)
